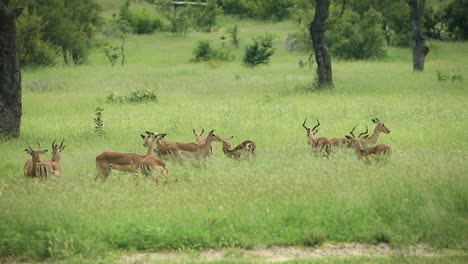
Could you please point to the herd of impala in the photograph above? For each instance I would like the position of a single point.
(152, 163)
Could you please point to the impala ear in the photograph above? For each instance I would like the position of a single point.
(195, 133)
(142, 136)
(202, 131)
(211, 132)
(149, 133)
(43, 151)
(230, 138)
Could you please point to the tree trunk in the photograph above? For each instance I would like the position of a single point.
(10, 74)
(420, 49)
(317, 33)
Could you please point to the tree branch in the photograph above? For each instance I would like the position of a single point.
(343, 7)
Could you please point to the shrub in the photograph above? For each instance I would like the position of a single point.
(134, 96)
(141, 96)
(35, 51)
(205, 52)
(98, 121)
(260, 51)
(234, 33)
(141, 21)
(443, 76)
(357, 37)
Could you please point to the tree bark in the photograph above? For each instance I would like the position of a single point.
(317, 33)
(10, 74)
(420, 49)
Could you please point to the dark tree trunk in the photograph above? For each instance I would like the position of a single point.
(10, 74)
(317, 32)
(420, 49)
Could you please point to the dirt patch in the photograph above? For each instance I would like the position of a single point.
(281, 254)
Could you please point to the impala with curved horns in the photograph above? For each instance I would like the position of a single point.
(317, 144)
(48, 168)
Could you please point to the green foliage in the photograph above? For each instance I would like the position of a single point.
(260, 51)
(65, 25)
(35, 50)
(205, 52)
(134, 96)
(357, 37)
(98, 121)
(443, 76)
(456, 16)
(274, 10)
(141, 21)
(233, 31)
(199, 17)
(395, 21)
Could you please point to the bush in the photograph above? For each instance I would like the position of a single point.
(35, 51)
(357, 37)
(260, 51)
(134, 96)
(140, 21)
(205, 52)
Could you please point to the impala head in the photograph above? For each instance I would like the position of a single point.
(311, 132)
(35, 154)
(227, 142)
(57, 149)
(153, 137)
(211, 136)
(381, 126)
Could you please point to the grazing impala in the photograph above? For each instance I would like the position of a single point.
(375, 152)
(317, 144)
(246, 148)
(48, 168)
(126, 162)
(192, 151)
(200, 140)
(380, 127)
(151, 165)
(31, 166)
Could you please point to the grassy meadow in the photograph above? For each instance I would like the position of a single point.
(287, 196)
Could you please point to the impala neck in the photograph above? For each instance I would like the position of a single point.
(372, 139)
(57, 157)
(152, 147)
(208, 142)
(199, 139)
(226, 149)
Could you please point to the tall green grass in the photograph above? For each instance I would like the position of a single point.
(287, 196)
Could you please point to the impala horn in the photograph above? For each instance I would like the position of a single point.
(363, 133)
(303, 124)
(352, 131)
(318, 124)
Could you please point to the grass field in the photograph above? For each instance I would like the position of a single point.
(287, 196)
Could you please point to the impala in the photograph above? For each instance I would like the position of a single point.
(126, 162)
(200, 140)
(31, 166)
(376, 151)
(246, 148)
(380, 127)
(151, 165)
(48, 168)
(192, 151)
(162, 146)
(318, 144)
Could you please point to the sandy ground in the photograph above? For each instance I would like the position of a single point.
(281, 254)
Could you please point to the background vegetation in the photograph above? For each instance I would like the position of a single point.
(287, 196)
